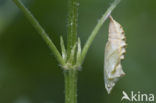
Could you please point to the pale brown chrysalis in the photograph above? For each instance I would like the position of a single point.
(114, 53)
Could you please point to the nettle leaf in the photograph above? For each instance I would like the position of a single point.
(64, 54)
(114, 53)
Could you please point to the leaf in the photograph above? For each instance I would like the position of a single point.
(72, 55)
(114, 53)
(78, 58)
(64, 54)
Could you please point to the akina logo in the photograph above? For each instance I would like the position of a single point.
(138, 97)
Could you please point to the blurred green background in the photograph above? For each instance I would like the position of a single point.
(29, 72)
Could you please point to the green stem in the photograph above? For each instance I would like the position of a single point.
(71, 86)
(97, 28)
(71, 74)
(40, 30)
(72, 24)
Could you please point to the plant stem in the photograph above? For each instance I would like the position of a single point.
(40, 30)
(71, 86)
(97, 28)
(72, 24)
(70, 75)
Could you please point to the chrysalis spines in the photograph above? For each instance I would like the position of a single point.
(114, 53)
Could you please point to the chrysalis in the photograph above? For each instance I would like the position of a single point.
(114, 53)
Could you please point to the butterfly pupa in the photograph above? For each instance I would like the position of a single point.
(114, 53)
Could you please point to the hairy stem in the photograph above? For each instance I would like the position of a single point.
(71, 74)
(72, 24)
(97, 28)
(40, 30)
(71, 86)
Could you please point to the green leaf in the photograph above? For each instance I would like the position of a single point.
(64, 53)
